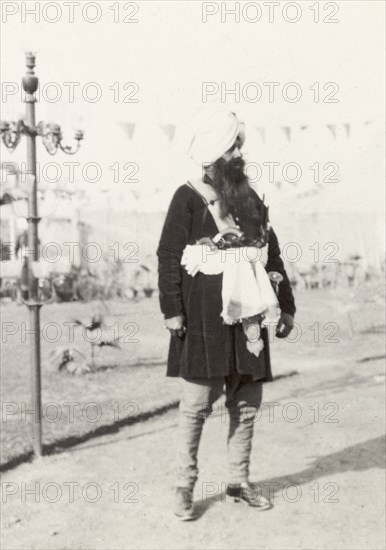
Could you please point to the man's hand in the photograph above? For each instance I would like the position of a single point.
(285, 325)
(176, 326)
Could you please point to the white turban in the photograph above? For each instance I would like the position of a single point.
(216, 132)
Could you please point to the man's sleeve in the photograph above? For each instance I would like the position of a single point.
(275, 263)
(174, 238)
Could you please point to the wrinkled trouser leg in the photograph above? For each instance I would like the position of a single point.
(243, 399)
(197, 398)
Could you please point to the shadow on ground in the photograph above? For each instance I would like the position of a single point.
(336, 385)
(363, 456)
(62, 444)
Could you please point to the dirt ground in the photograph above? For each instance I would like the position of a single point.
(318, 451)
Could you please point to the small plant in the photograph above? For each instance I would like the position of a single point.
(74, 361)
(70, 360)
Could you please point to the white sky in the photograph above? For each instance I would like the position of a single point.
(170, 52)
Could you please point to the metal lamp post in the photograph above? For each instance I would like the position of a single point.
(11, 133)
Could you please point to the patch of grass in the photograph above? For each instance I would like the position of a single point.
(126, 382)
(131, 381)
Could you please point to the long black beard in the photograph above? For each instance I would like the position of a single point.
(232, 186)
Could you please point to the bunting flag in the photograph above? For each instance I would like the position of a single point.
(347, 127)
(287, 131)
(332, 129)
(261, 131)
(128, 128)
(169, 130)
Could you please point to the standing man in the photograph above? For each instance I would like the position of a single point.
(214, 254)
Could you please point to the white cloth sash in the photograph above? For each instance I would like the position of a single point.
(246, 288)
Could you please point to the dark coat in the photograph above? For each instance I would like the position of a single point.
(209, 348)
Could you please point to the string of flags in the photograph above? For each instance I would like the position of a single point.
(288, 130)
(169, 130)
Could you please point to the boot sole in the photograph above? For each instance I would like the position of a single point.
(189, 517)
(236, 500)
